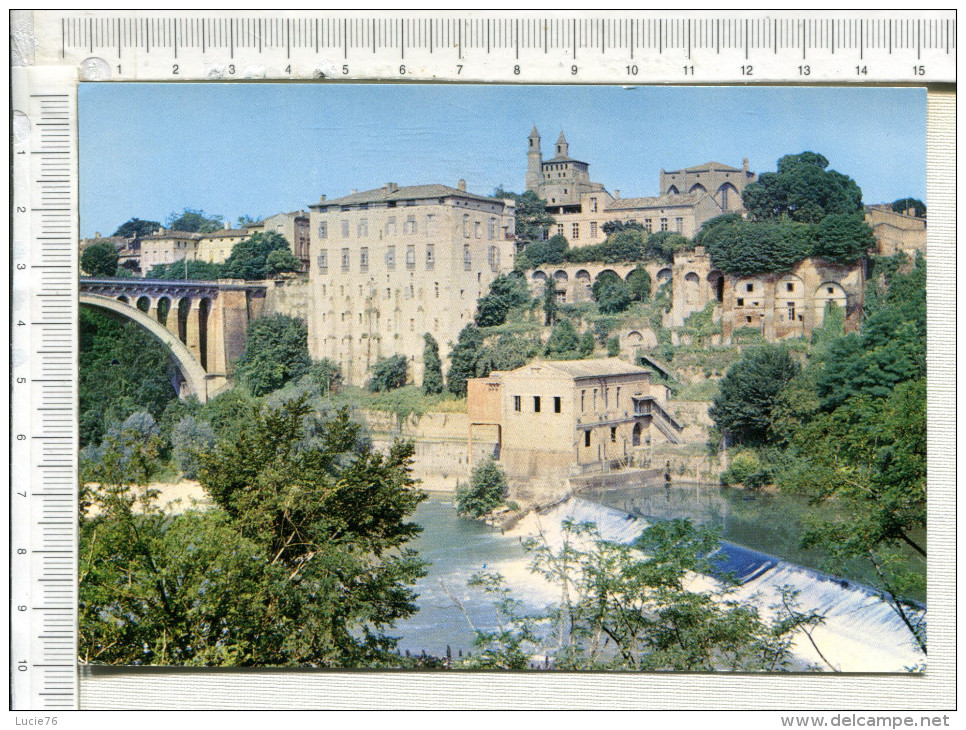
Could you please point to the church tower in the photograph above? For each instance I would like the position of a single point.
(534, 161)
(562, 146)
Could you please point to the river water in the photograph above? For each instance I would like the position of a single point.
(861, 632)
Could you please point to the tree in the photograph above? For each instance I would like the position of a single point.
(552, 251)
(614, 297)
(249, 258)
(100, 259)
(601, 280)
(189, 440)
(136, 228)
(507, 291)
(803, 190)
(195, 221)
(843, 238)
(905, 204)
(750, 392)
(509, 352)
(326, 375)
(281, 261)
(463, 358)
(276, 351)
(586, 344)
(194, 269)
(246, 221)
(388, 373)
(531, 217)
(432, 366)
(614, 346)
(549, 301)
(485, 492)
(639, 284)
(748, 248)
(615, 226)
(563, 341)
(303, 561)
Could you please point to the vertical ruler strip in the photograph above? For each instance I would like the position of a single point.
(43, 495)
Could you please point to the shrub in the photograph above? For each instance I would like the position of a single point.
(614, 346)
(432, 366)
(486, 490)
(190, 438)
(563, 339)
(388, 373)
(276, 352)
(744, 464)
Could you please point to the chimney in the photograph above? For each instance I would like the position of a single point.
(617, 194)
(322, 199)
(461, 185)
(227, 226)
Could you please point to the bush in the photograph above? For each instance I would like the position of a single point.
(506, 292)
(563, 339)
(744, 464)
(275, 353)
(586, 346)
(614, 346)
(190, 438)
(388, 373)
(614, 297)
(485, 492)
(639, 283)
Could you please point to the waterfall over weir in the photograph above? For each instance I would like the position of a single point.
(861, 633)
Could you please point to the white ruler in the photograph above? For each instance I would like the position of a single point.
(55, 49)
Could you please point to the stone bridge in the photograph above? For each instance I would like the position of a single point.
(203, 324)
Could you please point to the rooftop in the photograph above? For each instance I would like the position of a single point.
(707, 166)
(587, 368)
(660, 201)
(406, 192)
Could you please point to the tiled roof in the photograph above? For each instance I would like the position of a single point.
(588, 368)
(564, 158)
(406, 192)
(707, 166)
(661, 201)
(226, 233)
(171, 234)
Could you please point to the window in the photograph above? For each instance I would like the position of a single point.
(430, 225)
(648, 225)
(831, 290)
(751, 287)
(582, 394)
(493, 258)
(466, 225)
(536, 404)
(613, 434)
(491, 229)
(345, 229)
(575, 231)
(741, 302)
(560, 229)
(430, 257)
(618, 403)
(663, 224)
(391, 258)
(593, 230)
(391, 225)
(467, 258)
(789, 286)
(409, 227)
(593, 205)
(478, 229)
(587, 438)
(791, 311)
(323, 262)
(410, 257)
(556, 404)
(364, 258)
(679, 224)
(345, 259)
(323, 229)
(362, 229)
(436, 288)
(748, 320)
(517, 405)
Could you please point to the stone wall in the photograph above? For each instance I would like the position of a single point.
(287, 296)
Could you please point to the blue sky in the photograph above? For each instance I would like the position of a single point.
(257, 149)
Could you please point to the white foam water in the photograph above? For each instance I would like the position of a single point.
(861, 632)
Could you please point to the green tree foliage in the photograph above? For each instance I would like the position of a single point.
(281, 261)
(552, 251)
(195, 221)
(802, 189)
(507, 353)
(246, 221)
(304, 561)
(136, 228)
(228, 412)
(604, 278)
(747, 248)
(190, 438)
(614, 346)
(485, 492)
(843, 238)
(639, 284)
(868, 457)
(100, 259)
(890, 349)
(388, 373)
(750, 391)
(916, 205)
(507, 291)
(463, 358)
(249, 258)
(549, 301)
(614, 297)
(326, 375)
(276, 352)
(432, 366)
(531, 217)
(563, 342)
(586, 344)
(203, 270)
(615, 226)
(122, 369)
(629, 607)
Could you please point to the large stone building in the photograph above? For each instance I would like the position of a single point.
(580, 207)
(568, 417)
(391, 264)
(895, 232)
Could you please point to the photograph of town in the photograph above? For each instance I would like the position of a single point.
(528, 378)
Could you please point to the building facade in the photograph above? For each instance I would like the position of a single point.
(568, 416)
(895, 232)
(391, 264)
(723, 183)
(294, 226)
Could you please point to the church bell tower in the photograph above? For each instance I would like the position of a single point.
(534, 161)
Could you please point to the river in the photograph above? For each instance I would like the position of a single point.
(861, 633)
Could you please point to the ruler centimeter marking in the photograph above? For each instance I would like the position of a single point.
(645, 46)
(640, 47)
(43, 497)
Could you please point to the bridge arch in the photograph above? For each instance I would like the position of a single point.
(191, 370)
